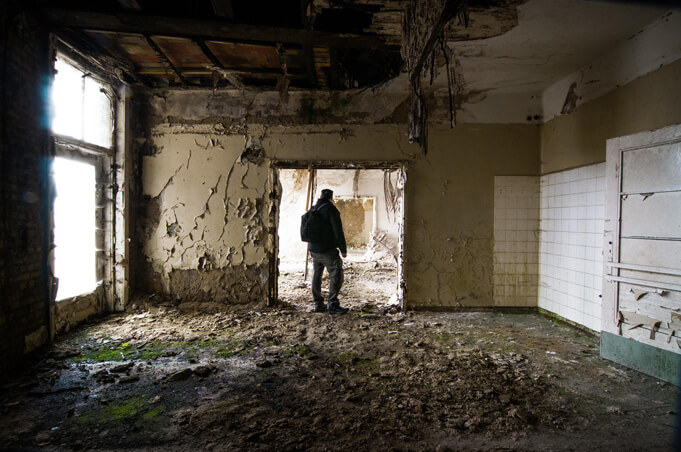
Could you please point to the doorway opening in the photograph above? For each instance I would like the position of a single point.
(370, 201)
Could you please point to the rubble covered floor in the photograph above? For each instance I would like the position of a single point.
(370, 282)
(162, 378)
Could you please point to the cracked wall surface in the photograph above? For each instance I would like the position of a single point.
(210, 214)
(206, 231)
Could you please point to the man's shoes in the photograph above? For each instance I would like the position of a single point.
(319, 306)
(335, 308)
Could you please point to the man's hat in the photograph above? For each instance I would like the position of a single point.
(327, 194)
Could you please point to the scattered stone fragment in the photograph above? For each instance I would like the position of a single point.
(264, 364)
(614, 410)
(179, 375)
(203, 371)
(122, 367)
(128, 378)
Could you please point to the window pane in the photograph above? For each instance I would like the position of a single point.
(97, 114)
(81, 110)
(74, 227)
(67, 100)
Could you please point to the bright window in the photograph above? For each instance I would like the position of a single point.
(74, 227)
(81, 108)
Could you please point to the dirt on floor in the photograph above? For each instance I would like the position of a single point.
(167, 378)
(370, 281)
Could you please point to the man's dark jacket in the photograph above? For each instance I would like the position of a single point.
(333, 236)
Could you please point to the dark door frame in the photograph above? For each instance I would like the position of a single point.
(275, 196)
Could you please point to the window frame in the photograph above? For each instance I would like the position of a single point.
(105, 160)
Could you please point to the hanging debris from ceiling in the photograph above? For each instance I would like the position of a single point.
(423, 25)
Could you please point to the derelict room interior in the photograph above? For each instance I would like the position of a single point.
(508, 176)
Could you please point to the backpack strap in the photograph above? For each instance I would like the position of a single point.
(317, 209)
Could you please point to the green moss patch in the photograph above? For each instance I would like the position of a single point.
(133, 408)
(356, 361)
(124, 351)
(227, 349)
(302, 350)
(221, 348)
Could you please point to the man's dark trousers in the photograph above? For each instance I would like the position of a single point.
(330, 260)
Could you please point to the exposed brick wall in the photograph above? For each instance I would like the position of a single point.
(24, 78)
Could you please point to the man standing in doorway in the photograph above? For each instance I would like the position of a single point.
(325, 255)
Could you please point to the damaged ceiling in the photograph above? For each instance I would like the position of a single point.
(460, 52)
(552, 39)
(310, 44)
(233, 43)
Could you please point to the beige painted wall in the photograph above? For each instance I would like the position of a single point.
(578, 139)
(207, 237)
(450, 210)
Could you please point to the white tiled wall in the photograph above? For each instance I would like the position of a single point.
(571, 242)
(516, 240)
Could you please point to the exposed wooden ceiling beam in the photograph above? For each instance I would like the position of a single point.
(157, 50)
(205, 29)
(246, 73)
(95, 55)
(210, 55)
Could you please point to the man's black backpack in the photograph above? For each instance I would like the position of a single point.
(312, 225)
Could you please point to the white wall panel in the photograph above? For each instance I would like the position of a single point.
(653, 215)
(652, 169)
(571, 237)
(654, 253)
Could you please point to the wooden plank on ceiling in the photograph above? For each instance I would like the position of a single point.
(170, 26)
(184, 53)
(245, 55)
(131, 47)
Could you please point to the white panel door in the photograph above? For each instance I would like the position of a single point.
(642, 286)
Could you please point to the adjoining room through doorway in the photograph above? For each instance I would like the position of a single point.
(370, 204)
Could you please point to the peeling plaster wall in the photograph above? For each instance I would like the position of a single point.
(578, 139)
(209, 241)
(207, 232)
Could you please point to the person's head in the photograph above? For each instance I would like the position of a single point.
(327, 194)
